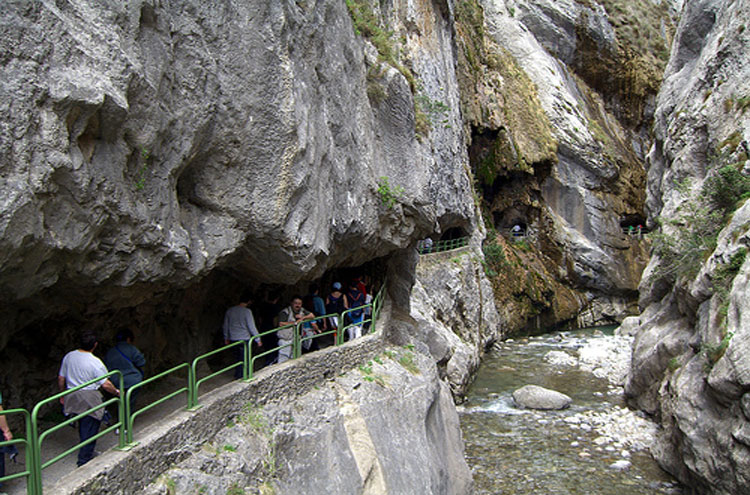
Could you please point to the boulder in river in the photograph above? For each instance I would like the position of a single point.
(536, 397)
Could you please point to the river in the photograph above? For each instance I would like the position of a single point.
(596, 446)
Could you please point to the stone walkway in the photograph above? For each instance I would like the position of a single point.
(62, 440)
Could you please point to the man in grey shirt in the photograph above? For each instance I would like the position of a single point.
(239, 324)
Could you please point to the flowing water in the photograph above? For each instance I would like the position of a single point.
(516, 451)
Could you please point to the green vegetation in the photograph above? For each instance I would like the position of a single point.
(714, 352)
(267, 488)
(407, 361)
(169, 484)
(695, 231)
(230, 448)
(140, 182)
(252, 415)
(235, 489)
(727, 188)
(494, 255)
(634, 71)
(429, 112)
(491, 80)
(389, 195)
(367, 24)
(722, 281)
(673, 364)
(368, 375)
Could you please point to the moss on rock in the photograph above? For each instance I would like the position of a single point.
(497, 95)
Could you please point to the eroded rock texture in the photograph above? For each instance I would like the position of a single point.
(454, 312)
(564, 156)
(157, 157)
(356, 433)
(690, 362)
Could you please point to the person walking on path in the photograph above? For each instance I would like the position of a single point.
(318, 305)
(289, 316)
(126, 357)
(267, 313)
(5, 435)
(336, 303)
(239, 325)
(356, 298)
(78, 367)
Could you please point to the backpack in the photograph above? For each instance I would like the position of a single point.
(356, 299)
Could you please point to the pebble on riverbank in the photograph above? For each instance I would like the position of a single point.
(622, 429)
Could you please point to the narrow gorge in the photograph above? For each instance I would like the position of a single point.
(159, 157)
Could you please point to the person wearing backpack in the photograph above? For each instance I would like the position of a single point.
(356, 298)
(336, 304)
(126, 357)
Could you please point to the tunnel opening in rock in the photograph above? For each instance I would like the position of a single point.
(172, 324)
(453, 233)
(632, 221)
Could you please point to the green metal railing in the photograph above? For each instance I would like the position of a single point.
(35, 439)
(126, 417)
(131, 415)
(443, 245)
(20, 441)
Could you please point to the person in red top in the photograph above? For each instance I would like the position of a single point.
(361, 285)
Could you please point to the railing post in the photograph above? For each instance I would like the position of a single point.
(296, 344)
(33, 457)
(247, 349)
(123, 413)
(192, 388)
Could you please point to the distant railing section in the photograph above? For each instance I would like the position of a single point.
(126, 417)
(635, 231)
(427, 246)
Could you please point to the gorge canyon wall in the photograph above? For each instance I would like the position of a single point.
(157, 157)
(690, 365)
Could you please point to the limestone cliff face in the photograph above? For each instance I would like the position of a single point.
(355, 433)
(690, 365)
(564, 154)
(157, 157)
(456, 319)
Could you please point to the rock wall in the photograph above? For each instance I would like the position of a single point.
(597, 180)
(557, 100)
(690, 366)
(157, 158)
(453, 305)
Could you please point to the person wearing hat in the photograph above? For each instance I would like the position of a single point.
(126, 357)
(336, 303)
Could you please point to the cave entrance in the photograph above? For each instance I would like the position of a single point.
(453, 233)
(633, 224)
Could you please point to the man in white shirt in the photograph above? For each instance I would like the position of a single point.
(239, 324)
(78, 367)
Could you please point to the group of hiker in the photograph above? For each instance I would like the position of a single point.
(240, 324)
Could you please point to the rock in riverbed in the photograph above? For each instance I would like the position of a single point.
(536, 397)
